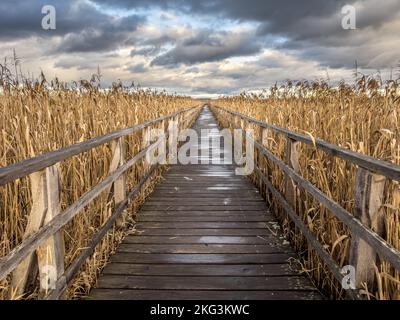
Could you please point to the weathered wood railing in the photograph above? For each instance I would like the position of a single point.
(42, 235)
(366, 224)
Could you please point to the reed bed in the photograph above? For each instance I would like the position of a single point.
(40, 116)
(363, 117)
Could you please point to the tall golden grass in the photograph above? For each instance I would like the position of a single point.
(40, 116)
(364, 117)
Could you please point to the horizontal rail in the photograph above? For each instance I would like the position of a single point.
(69, 274)
(28, 245)
(383, 248)
(325, 256)
(358, 229)
(28, 166)
(384, 168)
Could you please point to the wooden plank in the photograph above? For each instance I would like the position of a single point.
(202, 239)
(204, 283)
(205, 218)
(187, 178)
(206, 213)
(149, 207)
(261, 258)
(242, 270)
(204, 232)
(196, 185)
(201, 189)
(206, 201)
(200, 248)
(126, 294)
(200, 225)
(196, 195)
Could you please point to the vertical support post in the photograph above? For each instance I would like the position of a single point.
(25, 273)
(173, 128)
(263, 138)
(119, 185)
(368, 201)
(51, 253)
(292, 159)
(49, 257)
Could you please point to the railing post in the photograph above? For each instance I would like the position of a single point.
(263, 133)
(172, 146)
(50, 255)
(292, 160)
(368, 201)
(119, 185)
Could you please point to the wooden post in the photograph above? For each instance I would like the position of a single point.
(119, 185)
(263, 135)
(292, 159)
(49, 257)
(51, 253)
(368, 201)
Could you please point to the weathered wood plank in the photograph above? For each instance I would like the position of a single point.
(202, 239)
(203, 218)
(200, 248)
(261, 258)
(126, 294)
(203, 232)
(204, 283)
(207, 213)
(149, 207)
(200, 225)
(206, 201)
(241, 270)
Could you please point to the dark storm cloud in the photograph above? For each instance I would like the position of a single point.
(145, 51)
(109, 35)
(19, 19)
(82, 27)
(206, 46)
(312, 28)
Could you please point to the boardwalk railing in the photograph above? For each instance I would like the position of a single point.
(42, 234)
(365, 224)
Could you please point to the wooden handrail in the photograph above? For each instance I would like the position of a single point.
(71, 271)
(38, 237)
(28, 166)
(385, 168)
(359, 230)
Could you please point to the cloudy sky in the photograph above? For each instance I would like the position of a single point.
(202, 47)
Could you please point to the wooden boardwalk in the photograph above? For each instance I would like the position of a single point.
(204, 233)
